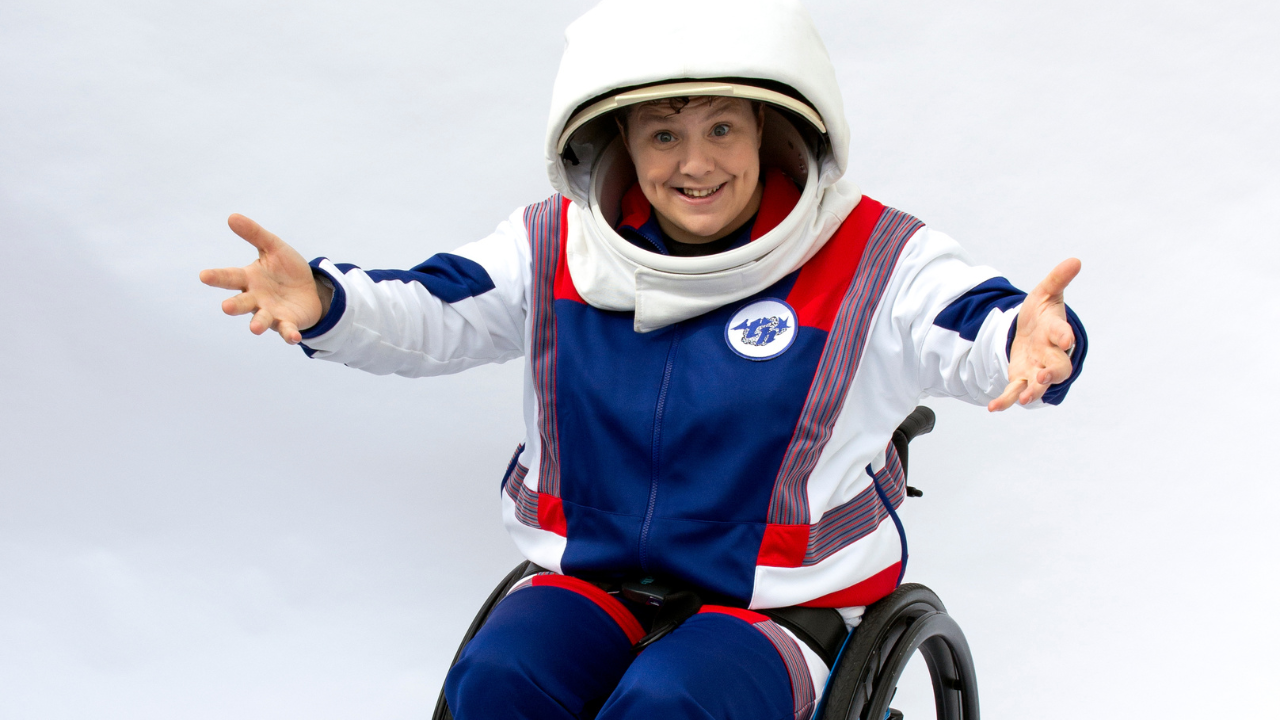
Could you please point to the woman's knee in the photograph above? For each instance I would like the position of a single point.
(485, 677)
(545, 652)
(649, 697)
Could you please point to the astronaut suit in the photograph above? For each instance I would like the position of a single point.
(719, 421)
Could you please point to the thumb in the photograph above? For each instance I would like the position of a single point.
(1056, 282)
(255, 234)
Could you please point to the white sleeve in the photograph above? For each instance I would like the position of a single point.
(955, 316)
(454, 311)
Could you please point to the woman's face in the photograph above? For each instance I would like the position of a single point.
(698, 167)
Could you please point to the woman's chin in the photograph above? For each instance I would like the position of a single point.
(702, 228)
(704, 235)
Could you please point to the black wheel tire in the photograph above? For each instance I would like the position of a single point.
(866, 674)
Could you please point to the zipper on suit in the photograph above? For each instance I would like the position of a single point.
(657, 448)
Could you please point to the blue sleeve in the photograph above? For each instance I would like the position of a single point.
(449, 277)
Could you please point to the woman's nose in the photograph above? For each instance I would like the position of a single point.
(697, 160)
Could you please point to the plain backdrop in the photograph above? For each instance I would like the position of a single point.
(199, 523)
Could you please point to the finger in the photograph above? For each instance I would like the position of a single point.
(241, 304)
(1031, 394)
(1058, 370)
(289, 332)
(253, 232)
(225, 278)
(1056, 282)
(261, 322)
(1008, 397)
(1061, 334)
(1045, 379)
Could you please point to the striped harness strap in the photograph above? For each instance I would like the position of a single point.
(545, 224)
(525, 499)
(837, 366)
(848, 523)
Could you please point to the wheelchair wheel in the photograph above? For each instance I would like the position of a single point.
(866, 674)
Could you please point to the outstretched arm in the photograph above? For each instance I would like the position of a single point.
(973, 332)
(278, 288)
(1039, 356)
(453, 311)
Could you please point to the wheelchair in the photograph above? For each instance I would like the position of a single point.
(864, 676)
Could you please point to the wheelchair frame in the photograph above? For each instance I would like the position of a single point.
(864, 676)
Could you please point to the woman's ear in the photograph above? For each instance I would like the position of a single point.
(759, 107)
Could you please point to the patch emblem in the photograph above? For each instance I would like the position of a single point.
(762, 330)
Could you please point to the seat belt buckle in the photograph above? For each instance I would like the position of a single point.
(646, 592)
(673, 607)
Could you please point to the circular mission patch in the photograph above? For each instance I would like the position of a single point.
(761, 330)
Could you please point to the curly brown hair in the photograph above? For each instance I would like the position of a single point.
(675, 104)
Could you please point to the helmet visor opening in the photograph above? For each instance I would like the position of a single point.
(650, 93)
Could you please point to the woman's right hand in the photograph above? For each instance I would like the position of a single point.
(278, 288)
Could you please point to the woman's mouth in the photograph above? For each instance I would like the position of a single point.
(700, 193)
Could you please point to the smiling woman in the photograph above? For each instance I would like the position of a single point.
(722, 335)
(697, 162)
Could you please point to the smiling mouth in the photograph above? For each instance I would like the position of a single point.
(698, 194)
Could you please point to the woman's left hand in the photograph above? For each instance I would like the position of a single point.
(1039, 356)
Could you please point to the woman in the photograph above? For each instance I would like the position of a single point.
(721, 335)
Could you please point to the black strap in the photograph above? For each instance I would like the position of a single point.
(673, 607)
(822, 629)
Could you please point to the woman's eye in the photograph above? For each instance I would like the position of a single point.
(720, 130)
(664, 137)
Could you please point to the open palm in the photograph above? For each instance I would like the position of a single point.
(1038, 357)
(278, 287)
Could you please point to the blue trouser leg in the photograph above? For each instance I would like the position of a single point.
(549, 651)
(544, 653)
(714, 666)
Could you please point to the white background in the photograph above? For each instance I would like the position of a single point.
(198, 523)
